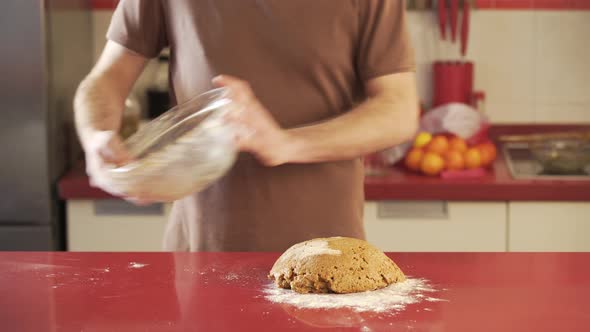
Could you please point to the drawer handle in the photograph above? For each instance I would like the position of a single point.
(412, 210)
(112, 207)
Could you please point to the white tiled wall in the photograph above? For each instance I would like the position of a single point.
(562, 83)
(533, 65)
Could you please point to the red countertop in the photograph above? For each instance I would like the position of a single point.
(497, 185)
(223, 292)
(398, 184)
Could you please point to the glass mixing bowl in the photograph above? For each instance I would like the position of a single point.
(179, 153)
(562, 156)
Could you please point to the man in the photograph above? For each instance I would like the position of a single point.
(319, 83)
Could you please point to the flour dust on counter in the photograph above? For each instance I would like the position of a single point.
(393, 298)
(135, 265)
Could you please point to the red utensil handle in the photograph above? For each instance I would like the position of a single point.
(465, 27)
(454, 16)
(442, 18)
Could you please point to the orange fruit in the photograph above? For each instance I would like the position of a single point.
(458, 144)
(454, 160)
(414, 159)
(488, 153)
(472, 158)
(439, 144)
(432, 164)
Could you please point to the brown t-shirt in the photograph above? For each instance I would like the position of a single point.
(306, 61)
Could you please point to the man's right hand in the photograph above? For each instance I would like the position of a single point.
(104, 149)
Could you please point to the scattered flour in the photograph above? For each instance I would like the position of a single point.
(231, 276)
(134, 265)
(394, 297)
(433, 299)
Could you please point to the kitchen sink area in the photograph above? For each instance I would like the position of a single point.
(522, 164)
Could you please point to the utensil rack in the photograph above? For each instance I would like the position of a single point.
(432, 4)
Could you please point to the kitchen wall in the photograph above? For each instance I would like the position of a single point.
(532, 64)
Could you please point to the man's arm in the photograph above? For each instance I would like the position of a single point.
(98, 107)
(388, 117)
(100, 101)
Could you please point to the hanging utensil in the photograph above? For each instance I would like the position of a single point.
(454, 14)
(422, 4)
(442, 18)
(465, 26)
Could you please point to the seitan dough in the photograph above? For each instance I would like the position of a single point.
(334, 265)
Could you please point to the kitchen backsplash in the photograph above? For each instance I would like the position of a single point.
(532, 64)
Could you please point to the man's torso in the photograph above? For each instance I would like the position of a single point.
(299, 56)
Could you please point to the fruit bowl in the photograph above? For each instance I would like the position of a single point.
(180, 152)
(450, 156)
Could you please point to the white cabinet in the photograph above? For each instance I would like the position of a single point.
(421, 226)
(436, 226)
(115, 225)
(549, 226)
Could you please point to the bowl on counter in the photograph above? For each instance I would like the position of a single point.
(178, 153)
(562, 156)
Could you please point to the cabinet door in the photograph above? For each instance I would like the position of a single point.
(436, 226)
(549, 226)
(115, 225)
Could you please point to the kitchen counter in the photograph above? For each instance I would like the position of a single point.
(223, 292)
(497, 185)
(398, 184)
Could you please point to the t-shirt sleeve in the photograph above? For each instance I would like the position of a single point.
(139, 26)
(384, 45)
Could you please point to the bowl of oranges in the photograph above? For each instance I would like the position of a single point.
(434, 155)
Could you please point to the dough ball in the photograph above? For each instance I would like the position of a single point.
(334, 265)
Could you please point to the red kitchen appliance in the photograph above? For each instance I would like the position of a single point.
(453, 82)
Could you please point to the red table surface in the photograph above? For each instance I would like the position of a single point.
(223, 292)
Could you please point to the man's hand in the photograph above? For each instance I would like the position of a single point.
(257, 131)
(387, 117)
(104, 150)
